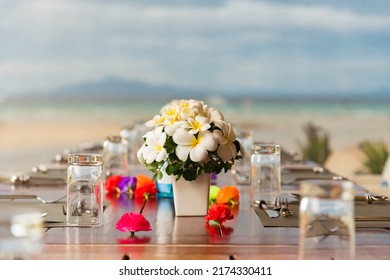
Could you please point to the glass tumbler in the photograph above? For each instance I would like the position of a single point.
(115, 156)
(326, 220)
(241, 169)
(130, 133)
(84, 190)
(265, 175)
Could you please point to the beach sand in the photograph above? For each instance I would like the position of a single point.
(27, 144)
(24, 145)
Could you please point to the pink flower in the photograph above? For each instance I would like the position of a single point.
(133, 222)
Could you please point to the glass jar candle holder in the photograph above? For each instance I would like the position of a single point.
(84, 190)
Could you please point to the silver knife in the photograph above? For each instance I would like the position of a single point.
(270, 213)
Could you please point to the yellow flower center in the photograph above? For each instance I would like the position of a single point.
(195, 125)
(158, 148)
(195, 141)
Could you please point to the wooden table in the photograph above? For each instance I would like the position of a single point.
(185, 237)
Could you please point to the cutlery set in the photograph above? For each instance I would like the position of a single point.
(45, 175)
(367, 197)
(281, 208)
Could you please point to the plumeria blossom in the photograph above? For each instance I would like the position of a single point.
(215, 115)
(198, 124)
(190, 138)
(154, 147)
(225, 137)
(171, 111)
(171, 125)
(156, 121)
(197, 147)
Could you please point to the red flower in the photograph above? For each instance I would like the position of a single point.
(133, 222)
(146, 187)
(111, 184)
(229, 195)
(219, 213)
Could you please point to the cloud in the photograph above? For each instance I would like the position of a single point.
(227, 45)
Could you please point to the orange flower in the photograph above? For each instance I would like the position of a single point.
(228, 195)
(145, 188)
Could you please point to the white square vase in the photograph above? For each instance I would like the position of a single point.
(191, 198)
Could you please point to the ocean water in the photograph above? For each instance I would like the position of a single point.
(282, 122)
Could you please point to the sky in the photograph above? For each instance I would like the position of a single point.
(224, 46)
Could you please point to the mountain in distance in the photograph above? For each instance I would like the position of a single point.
(118, 89)
(109, 89)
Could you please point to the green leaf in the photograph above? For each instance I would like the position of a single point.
(317, 145)
(189, 174)
(376, 154)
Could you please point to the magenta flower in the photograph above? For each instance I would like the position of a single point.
(133, 222)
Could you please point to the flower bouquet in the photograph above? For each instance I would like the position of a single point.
(189, 138)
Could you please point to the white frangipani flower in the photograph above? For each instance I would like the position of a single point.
(171, 112)
(215, 115)
(197, 124)
(225, 137)
(156, 121)
(140, 156)
(194, 133)
(154, 147)
(170, 125)
(196, 147)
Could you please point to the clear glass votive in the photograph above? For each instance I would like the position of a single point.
(130, 133)
(241, 169)
(265, 175)
(326, 220)
(115, 156)
(84, 190)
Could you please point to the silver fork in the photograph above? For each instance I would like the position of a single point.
(284, 209)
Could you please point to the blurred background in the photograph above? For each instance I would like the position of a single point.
(76, 71)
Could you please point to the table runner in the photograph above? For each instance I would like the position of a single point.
(361, 209)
